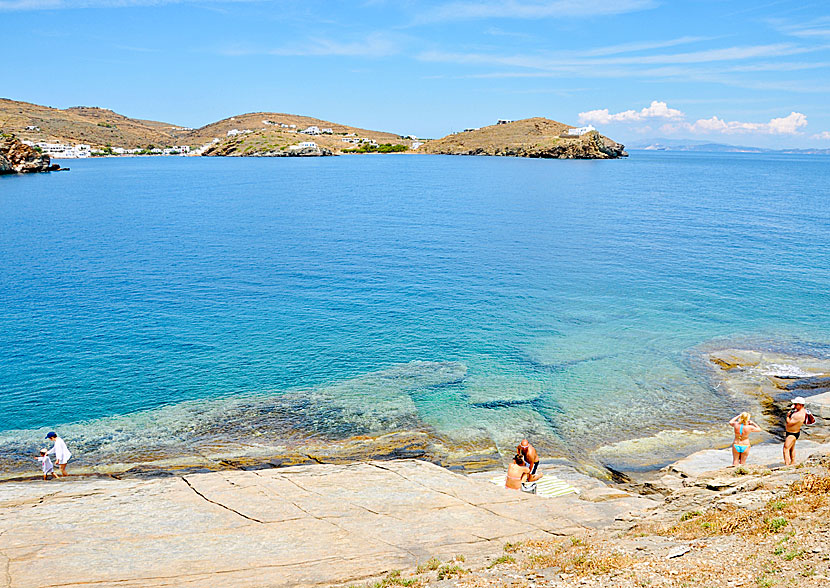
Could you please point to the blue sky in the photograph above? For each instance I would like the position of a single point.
(753, 73)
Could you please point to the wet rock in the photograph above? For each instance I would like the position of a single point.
(731, 358)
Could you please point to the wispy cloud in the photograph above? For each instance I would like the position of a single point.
(815, 29)
(29, 5)
(575, 61)
(515, 9)
(824, 136)
(373, 45)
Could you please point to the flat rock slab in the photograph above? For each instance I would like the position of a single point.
(765, 454)
(296, 526)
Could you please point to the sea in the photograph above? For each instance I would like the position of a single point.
(145, 302)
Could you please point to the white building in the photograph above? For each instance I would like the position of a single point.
(33, 128)
(416, 144)
(177, 150)
(504, 121)
(579, 131)
(327, 131)
(234, 132)
(312, 130)
(62, 151)
(308, 145)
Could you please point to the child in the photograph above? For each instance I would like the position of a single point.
(46, 463)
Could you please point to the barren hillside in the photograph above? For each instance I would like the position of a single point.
(94, 126)
(531, 137)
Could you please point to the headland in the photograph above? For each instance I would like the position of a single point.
(91, 131)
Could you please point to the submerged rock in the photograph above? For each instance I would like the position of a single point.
(18, 158)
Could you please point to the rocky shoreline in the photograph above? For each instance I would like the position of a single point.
(407, 522)
(18, 158)
(375, 511)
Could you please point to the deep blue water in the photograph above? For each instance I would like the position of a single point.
(573, 292)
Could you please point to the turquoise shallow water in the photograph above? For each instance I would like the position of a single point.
(565, 300)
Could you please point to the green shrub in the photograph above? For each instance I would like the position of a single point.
(776, 524)
(504, 559)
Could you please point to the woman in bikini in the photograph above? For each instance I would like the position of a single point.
(742, 426)
(517, 472)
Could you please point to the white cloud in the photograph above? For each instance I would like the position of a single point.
(787, 125)
(824, 135)
(656, 109)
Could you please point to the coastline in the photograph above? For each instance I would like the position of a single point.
(241, 435)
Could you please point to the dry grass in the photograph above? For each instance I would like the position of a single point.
(811, 485)
(575, 556)
(805, 497)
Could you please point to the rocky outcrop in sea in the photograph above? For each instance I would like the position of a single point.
(589, 146)
(18, 158)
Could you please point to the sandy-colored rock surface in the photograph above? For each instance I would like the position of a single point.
(764, 454)
(296, 526)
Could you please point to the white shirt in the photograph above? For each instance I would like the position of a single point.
(46, 463)
(61, 451)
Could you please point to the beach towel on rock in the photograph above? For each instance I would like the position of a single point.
(547, 486)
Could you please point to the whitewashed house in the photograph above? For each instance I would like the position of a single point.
(312, 130)
(326, 131)
(234, 132)
(503, 121)
(416, 144)
(308, 145)
(579, 131)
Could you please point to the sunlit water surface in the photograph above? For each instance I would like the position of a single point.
(476, 297)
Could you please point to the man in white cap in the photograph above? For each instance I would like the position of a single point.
(795, 420)
(61, 451)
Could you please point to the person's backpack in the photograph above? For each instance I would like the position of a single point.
(809, 419)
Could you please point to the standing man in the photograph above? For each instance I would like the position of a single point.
(795, 420)
(61, 451)
(526, 450)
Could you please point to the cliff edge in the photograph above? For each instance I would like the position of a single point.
(531, 137)
(19, 158)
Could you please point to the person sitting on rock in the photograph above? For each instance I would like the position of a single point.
(517, 473)
(531, 459)
(795, 420)
(743, 426)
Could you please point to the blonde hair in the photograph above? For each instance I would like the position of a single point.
(744, 418)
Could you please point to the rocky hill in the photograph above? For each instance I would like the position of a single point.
(17, 158)
(271, 133)
(531, 137)
(97, 127)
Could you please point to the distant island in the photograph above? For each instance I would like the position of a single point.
(89, 131)
(663, 144)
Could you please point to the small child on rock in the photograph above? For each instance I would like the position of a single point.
(46, 464)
